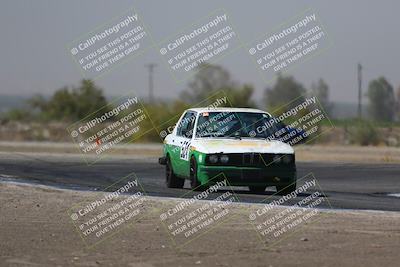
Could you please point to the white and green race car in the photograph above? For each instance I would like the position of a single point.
(236, 142)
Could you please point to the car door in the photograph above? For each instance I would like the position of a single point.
(183, 139)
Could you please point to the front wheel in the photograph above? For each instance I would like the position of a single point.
(286, 189)
(194, 181)
(257, 189)
(171, 180)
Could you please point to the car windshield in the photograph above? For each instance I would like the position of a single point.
(235, 125)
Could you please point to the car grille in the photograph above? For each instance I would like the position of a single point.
(252, 160)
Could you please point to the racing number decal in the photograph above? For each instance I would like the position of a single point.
(185, 150)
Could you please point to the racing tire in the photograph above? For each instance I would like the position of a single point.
(286, 189)
(171, 180)
(194, 182)
(257, 189)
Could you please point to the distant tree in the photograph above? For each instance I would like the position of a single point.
(16, 114)
(398, 104)
(38, 101)
(381, 100)
(285, 90)
(364, 133)
(70, 104)
(321, 91)
(211, 79)
(241, 97)
(88, 98)
(62, 105)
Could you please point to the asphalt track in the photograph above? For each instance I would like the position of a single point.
(346, 185)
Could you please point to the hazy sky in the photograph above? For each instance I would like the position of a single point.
(34, 35)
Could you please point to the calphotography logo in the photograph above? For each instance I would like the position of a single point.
(97, 52)
(288, 45)
(207, 41)
(300, 121)
(118, 123)
(282, 216)
(193, 217)
(216, 100)
(103, 217)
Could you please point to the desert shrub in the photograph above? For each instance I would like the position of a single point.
(364, 134)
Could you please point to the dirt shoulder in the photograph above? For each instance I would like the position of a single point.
(350, 154)
(319, 153)
(36, 230)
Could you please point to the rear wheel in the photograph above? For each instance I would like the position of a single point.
(258, 189)
(171, 179)
(286, 189)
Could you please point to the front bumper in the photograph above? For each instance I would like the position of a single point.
(244, 176)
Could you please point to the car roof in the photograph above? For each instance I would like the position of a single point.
(226, 109)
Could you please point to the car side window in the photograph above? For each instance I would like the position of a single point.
(190, 128)
(186, 125)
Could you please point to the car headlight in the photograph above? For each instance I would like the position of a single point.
(224, 158)
(287, 159)
(213, 159)
(277, 159)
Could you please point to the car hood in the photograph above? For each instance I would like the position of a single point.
(221, 145)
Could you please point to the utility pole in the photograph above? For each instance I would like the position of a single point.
(359, 69)
(151, 67)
